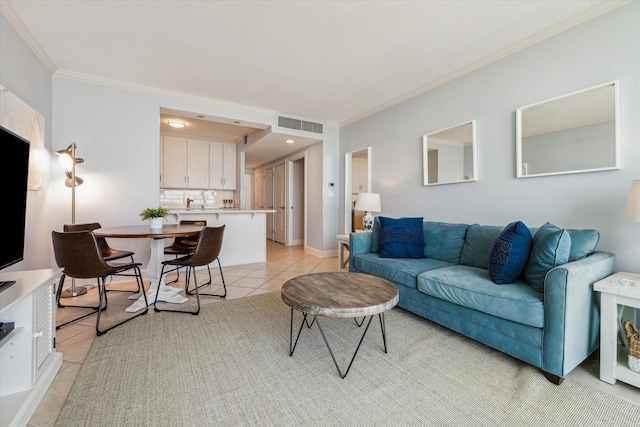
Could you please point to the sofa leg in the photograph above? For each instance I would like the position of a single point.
(553, 378)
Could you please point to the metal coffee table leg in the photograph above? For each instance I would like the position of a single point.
(292, 345)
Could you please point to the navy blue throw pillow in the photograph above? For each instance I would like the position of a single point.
(401, 238)
(510, 253)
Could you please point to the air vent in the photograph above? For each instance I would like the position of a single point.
(289, 123)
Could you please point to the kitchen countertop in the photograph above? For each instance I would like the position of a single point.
(218, 211)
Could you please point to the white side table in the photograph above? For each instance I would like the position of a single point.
(343, 243)
(619, 289)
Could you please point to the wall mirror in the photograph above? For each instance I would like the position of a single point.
(570, 134)
(450, 155)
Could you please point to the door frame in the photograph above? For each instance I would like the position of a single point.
(348, 167)
(289, 161)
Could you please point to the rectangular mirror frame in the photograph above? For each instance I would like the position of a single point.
(474, 155)
(520, 166)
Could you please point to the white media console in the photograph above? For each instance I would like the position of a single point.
(28, 359)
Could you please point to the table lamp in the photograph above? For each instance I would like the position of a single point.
(368, 202)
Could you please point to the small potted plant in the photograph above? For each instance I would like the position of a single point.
(155, 216)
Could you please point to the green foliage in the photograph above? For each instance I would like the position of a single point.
(154, 213)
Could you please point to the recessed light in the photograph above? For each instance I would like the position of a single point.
(290, 141)
(176, 123)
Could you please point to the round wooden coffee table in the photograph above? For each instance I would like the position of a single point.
(339, 295)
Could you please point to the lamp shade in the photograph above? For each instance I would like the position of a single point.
(67, 157)
(70, 178)
(369, 202)
(632, 212)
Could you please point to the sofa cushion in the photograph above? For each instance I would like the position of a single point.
(583, 242)
(471, 287)
(401, 237)
(375, 235)
(477, 245)
(551, 247)
(401, 271)
(444, 241)
(510, 253)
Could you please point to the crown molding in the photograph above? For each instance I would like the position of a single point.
(117, 84)
(594, 12)
(18, 25)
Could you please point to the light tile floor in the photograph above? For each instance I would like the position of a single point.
(283, 263)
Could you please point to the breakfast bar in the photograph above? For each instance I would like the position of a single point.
(245, 235)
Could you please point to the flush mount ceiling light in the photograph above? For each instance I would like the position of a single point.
(176, 123)
(290, 141)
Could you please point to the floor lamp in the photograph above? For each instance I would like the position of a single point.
(68, 160)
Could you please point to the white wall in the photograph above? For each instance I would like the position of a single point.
(604, 49)
(117, 132)
(26, 77)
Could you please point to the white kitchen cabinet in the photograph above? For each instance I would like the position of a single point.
(174, 166)
(197, 163)
(359, 176)
(222, 166)
(28, 360)
(185, 163)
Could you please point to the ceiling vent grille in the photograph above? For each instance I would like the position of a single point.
(289, 123)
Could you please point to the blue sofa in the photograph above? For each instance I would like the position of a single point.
(554, 330)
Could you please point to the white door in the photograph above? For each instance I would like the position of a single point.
(248, 191)
(258, 189)
(268, 200)
(295, 217)
(279, 222)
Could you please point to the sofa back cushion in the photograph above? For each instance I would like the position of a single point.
(443, 241)
(375, 235)
(583, 242)
(551, 247)
(477, 245)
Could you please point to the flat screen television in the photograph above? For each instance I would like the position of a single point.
(13, 182)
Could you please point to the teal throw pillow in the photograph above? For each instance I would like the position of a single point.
(401, 238)
(551, 247)
(510, 253)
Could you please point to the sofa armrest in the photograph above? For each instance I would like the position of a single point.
(572, 312)
(359, 243)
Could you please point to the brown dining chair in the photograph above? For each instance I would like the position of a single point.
(183, 246)
(108, 253)
(78, 254)
(207, 250)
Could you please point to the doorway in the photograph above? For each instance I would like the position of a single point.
(296, 200)
(357, 179)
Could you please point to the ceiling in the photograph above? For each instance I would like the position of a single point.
(325, 61)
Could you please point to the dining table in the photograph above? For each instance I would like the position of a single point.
(157, 236)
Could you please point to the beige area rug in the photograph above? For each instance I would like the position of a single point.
(230, 366)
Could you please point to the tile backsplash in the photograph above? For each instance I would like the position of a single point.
(211, 199)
